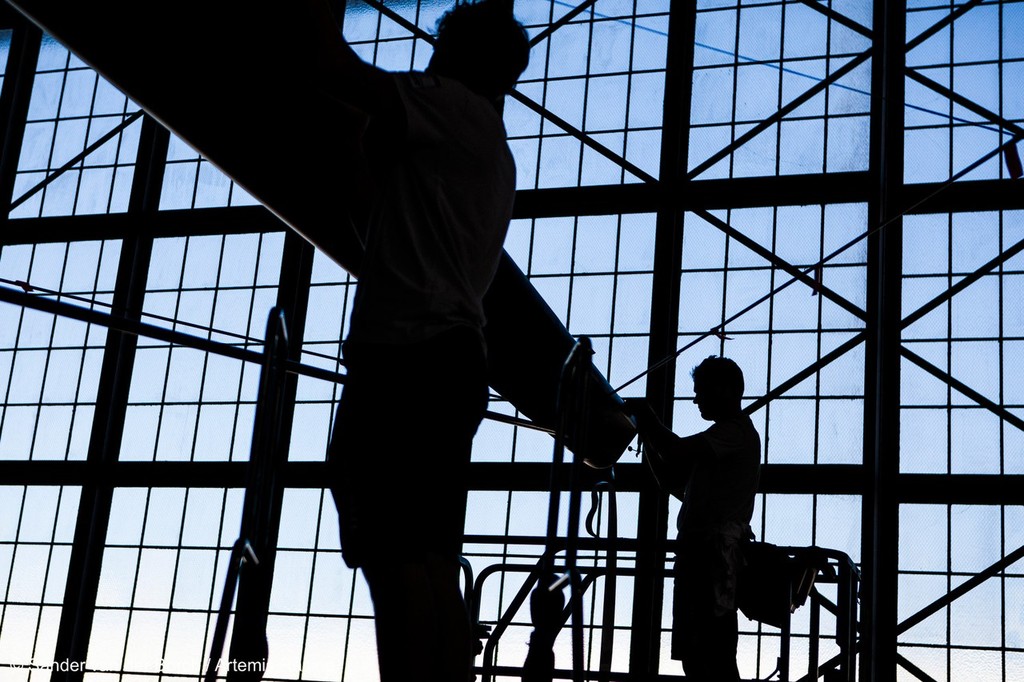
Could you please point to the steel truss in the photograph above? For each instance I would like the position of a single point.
(675, 192)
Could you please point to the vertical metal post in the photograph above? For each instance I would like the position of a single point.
(610, 581)
(579, 426)
(846, 621)
(786, 638)
(14, 101)
(882, 367)
(86, 558)
(648, 592)
(814, 645)
(546, 600)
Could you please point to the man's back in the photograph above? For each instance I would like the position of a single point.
(722, 488)
(439, 216)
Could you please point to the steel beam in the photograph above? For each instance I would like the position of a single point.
(561, 21)
(966, 103)
(962, 284)
(987, 489)
(780, 114)
(806, 372)
(782, 264)
(943, 23)
(15, 97)
(838, 17)
(969, 196)
(653, 521)
(76, 159)
(75, 629)
(957, 385)
(880, 525)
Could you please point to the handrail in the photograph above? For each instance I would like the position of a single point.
(547, 601)
(846, 576)
(258, 531)
(241, 553)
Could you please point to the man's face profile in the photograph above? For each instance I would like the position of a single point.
(702, 401)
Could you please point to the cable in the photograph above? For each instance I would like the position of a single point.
(719, 330)
(250, 340)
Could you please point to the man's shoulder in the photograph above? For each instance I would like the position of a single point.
(427, 84)
(731, 434)
(421, 80)
(739, 423)
(421, 90)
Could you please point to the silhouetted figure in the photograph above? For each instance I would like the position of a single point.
(416, 384)
(715, 474)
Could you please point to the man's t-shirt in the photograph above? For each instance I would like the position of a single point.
(438, 219)
(721, 490)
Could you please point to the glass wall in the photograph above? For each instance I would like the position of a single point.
(694, 178)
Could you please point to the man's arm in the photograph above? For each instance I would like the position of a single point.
(345, 76)
(366, 109)
(670, 457)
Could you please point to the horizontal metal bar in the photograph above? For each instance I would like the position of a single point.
(631, 477)
(168, 224)
(969, 196)
(126, 474)
(987, 489)
(959, 591)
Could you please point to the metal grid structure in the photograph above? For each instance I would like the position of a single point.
(80, 141)
(819, 189)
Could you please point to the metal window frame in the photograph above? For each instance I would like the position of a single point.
(669, 196)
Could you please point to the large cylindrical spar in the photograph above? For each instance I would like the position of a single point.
(246, 85)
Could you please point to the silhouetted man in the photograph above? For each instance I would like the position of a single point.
(416, 384)
(715, 474)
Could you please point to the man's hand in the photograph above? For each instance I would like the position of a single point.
(644, 417)
(642, 413)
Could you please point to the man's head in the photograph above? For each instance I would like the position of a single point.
(717, 388)
(482, 46)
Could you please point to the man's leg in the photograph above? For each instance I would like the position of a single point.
(704, 638)
(722, 642)
(422, 625)
(407, 480)
(691, 612)
(707, 645)
(456, 635)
